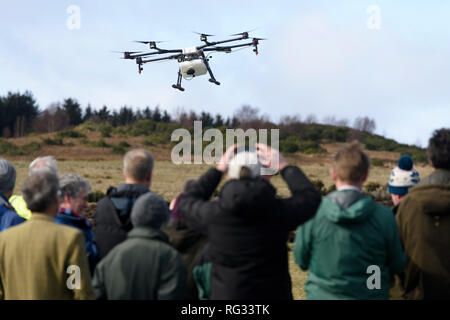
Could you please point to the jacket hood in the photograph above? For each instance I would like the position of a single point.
(148, 233)
(433, 199)
(247, 197)
(127, 190)
(347, 206)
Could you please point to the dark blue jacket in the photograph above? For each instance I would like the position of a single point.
(8, 216)
(112, 216)
(68, 218)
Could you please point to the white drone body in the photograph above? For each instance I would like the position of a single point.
(192, 67)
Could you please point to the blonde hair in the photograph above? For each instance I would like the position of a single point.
(351, 163)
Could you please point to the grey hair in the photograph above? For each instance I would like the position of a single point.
(48, 162)
(40, 189)
(72, 185)
(138, 164)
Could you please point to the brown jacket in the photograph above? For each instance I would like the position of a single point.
(423, 219)
(34, 261)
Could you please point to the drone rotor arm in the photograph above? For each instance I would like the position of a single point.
(175, 56)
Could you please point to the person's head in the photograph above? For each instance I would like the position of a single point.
(7, 178)
(74, 192)
(350, 165)
(150, 211)
(188, 183)
(48, 162)
(245, 165)
(40, 191)
(138, 167)
(403, 177)
(439, 149)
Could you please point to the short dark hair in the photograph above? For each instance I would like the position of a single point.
(439, 149)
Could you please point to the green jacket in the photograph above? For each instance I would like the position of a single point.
(143, 267)
(349, 233)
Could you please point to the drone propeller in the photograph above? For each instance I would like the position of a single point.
(203, 34)
(148, 42)
(243, 34)
(151, 43)
(127, 52)
(257, 39)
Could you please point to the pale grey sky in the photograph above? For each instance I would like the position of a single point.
(320, 57)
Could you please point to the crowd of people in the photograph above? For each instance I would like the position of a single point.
(233, 246)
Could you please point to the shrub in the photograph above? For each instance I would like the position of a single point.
(118, 150)
(310, 147)
(372, 186)
(377, 163)
(31, 147)
(95, 196)
(53, 142)
(9, 149)
(70, 134)
(155, 140)
(124, 144)
(100, 144)
(106, 131)
(143, 128)
(289, 145)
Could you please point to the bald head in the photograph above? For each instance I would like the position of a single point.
(138, 166)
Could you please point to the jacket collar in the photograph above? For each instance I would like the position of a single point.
(439, 176)
(3, 200)
(37, 216)
(148, 233)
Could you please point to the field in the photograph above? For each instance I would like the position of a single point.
(168, 180)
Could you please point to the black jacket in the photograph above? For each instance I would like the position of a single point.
(112, 216)
(247, 229)
(189, 244)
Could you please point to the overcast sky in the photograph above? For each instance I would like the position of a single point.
(320, 57)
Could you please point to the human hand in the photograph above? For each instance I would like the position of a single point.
(226, 158)
(270, 158)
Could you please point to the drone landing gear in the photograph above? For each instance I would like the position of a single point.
(213, 80)
(178, 85)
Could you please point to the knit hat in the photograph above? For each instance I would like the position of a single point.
(7, 176)
(246, 159)
(403, 177)
(149, 210)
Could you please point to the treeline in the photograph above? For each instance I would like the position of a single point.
(21, 115)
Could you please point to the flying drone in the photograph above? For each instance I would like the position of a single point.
(192, 61)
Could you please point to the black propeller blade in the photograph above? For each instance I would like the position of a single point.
(127, 52)
(243, 33)
(203, 34)
(148, 42)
